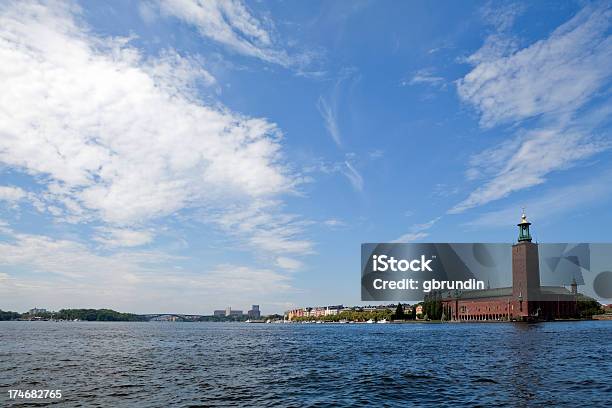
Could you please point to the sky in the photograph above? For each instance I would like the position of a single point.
(181, 156)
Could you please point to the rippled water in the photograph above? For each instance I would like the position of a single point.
(237, 364)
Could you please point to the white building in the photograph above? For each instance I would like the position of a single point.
(333, 310)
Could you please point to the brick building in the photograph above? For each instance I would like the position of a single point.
(525, 300)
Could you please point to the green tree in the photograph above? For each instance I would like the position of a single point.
(9, 315)
(399, 312)
(103, 315)
(587, 307)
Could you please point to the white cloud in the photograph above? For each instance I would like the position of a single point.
(552, 203)
(412, 236)
(418, 231)
(123, 237)
(334, 222)
(118, 137)
(424, 76)
(328, 105)
(501, 15)
(281, 240)
(557, 74)
(262, 225)
(444, 190)
(176, 74)
(231, 23)
(328, 112)
(376, 154)
(347, 168)
(526, 162)
(353, 176)
(288, 263)
(426, 225)
(73, 260)
(11, 194)
(233, 280)
(495, 46)
(147, 12)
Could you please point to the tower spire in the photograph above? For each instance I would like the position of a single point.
(524, 235)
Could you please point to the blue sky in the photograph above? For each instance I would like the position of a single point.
(178, 156)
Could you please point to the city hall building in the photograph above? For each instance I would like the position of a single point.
(525, 300)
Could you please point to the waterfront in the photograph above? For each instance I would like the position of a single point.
(234, 364)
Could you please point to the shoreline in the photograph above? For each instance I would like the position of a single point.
(602, 318)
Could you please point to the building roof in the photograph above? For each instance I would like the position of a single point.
(554, 290)
(501, 292)
(478, 294)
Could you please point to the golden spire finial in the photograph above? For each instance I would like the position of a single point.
(523, 217)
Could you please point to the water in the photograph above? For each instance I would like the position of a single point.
(237, 364)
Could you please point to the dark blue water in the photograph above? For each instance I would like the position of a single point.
(238, 364)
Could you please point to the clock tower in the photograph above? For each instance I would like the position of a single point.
(525, 271)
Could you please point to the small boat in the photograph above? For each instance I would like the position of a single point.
(370, 321)
(382, 321)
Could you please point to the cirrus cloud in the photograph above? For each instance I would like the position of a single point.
(231, 23)
(556, 82)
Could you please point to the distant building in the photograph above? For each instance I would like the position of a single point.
(36, 311)
(318, 312)
(254, 313)
(333, 310)
(167, 318)
(291, 314)
(419, 310)
(229, 312)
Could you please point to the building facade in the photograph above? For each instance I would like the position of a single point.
(35, 311)
(525, 300)
(254, 313)
(227, 312)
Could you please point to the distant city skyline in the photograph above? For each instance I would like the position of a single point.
(186, 156)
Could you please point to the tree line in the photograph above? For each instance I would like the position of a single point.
(100, 315)
(363, 315)
(9, 315)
